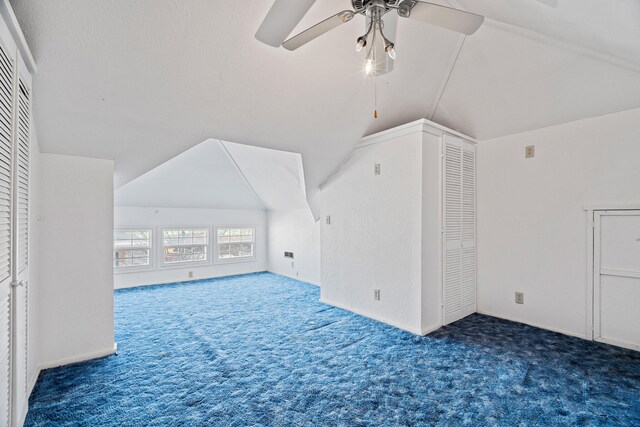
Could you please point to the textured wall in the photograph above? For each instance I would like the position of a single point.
(531, 222)
(374, 239)
(294, 231)
(76, 275)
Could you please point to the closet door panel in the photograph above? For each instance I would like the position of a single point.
(459, 217)
(7, 94)
(22, 118)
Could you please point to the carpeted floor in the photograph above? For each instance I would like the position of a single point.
(261, 350)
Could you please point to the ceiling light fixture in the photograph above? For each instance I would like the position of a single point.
(375, 11)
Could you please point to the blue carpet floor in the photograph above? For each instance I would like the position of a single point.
(261, 350)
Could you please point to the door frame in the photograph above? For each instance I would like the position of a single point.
(594, 213)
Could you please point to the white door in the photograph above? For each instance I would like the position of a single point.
(459, 214)
(20, 270)
(616, 293)
(7, 104)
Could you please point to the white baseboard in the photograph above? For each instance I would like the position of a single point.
(374, 317)
(536, 325)
(181, 281)
(432, 328)
(80, 358)
(300, 279)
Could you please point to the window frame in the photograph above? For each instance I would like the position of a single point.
(164, 265)
(136, 268)
(217, 260)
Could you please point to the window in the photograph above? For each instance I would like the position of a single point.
(132, 248)
(235, 243)
(185, 245)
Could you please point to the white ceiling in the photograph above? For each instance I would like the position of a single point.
(221, 175)
(277, 177)
(202, 177)
(140, 82)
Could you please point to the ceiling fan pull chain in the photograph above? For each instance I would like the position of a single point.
(375, 97)
(375, 75)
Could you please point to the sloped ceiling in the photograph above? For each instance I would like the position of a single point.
(142, 81)
(221, 175)
(202, 177)
(277, 177)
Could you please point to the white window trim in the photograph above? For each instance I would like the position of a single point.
(152, 251)
(160, 250)
(214, 238)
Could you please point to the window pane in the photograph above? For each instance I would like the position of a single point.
(177, 254)
(132, 248)
(235, 250)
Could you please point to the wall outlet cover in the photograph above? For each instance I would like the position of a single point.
(376, 294)
(519, 297)
(530, 151)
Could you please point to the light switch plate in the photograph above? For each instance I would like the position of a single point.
(530, 151)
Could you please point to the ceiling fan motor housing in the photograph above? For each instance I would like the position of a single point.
(362, 4)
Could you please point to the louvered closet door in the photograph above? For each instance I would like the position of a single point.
(6, 205)
(22, 138)
(459, 215)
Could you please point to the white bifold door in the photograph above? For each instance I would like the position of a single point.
(616, 292)
(15, 129)
(459, 220)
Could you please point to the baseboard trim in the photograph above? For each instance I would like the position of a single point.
(373, 316)
(184, 282)
(80, 358)
(429, 329)
(535, 325)
(299, 279)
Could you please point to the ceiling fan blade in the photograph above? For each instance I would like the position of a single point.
(550, 3)
(281, 19)
(319, 29)
(442, 16)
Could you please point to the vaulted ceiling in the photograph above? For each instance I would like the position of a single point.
(142, 81)
(220, 175)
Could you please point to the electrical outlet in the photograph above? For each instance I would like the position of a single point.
(376, 169)
(376, 294)
(328, 219)
(190, 274)
(530, 151)
(519, 297)
(292, 264)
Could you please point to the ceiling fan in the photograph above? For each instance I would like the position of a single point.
(284, 15)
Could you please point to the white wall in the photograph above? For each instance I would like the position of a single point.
(531, 223)
(171, 217)
(374, 239)
(431, 297)
(35, 196)
(294, 231)
(76, 277)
